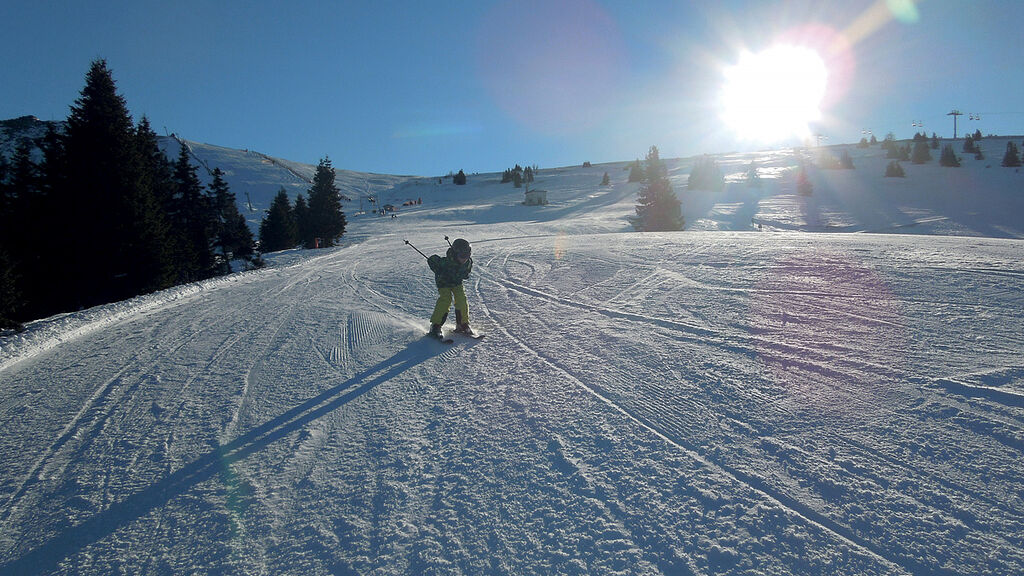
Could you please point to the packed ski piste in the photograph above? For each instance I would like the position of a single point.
(720, 400)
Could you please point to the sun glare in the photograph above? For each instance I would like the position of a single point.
(774, 94)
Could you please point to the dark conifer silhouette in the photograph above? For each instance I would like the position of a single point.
(921, 153)
(233, 238)
(192, 217)
(326, 218)
(278, 231)
(658, 208)
(894, 170)
(114, 221)
(948, 157)
(1012, 157)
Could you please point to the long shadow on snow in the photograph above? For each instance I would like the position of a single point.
(72, 540)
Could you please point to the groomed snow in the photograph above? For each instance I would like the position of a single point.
(716, 401)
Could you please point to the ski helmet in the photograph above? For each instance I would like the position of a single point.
(461, 248)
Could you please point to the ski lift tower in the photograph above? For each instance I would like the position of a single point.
(954, 114)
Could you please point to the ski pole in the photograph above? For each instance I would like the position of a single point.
(416, 249)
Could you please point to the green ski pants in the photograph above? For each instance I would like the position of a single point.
(444, 301)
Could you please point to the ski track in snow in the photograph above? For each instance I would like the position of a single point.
(757, 484)
(696, 403)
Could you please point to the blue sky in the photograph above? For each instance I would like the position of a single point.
(432, 87)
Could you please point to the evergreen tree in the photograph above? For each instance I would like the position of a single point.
(706, 175)
(233, 237)
(894, 170)
(948, 157)
(10, 297)
(156, 190)
(192, 217)
(921, 152)
(278, 230)
(21, 206)
(890, 146)
(101, 205)
(658, 208)
(636, 172)
(1012, 157)
(327, 221)
(36, 256)
(304, 234)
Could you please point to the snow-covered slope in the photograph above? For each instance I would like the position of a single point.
(714, 401)
(256, 178)
(980, 198)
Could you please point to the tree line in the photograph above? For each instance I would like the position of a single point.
(318, 223)
(104, 215)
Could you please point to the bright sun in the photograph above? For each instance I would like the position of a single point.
(774, 94)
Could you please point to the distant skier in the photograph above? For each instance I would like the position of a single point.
(449, 272)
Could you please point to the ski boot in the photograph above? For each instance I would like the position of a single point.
(435, 332)
(461, 325)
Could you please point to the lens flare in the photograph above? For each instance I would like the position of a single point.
(774, 94)
(904, 10)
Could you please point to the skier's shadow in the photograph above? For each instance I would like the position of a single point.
(45, 557)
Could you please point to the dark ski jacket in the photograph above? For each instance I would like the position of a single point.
(448, 273)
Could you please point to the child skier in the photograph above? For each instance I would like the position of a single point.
(449, 272)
